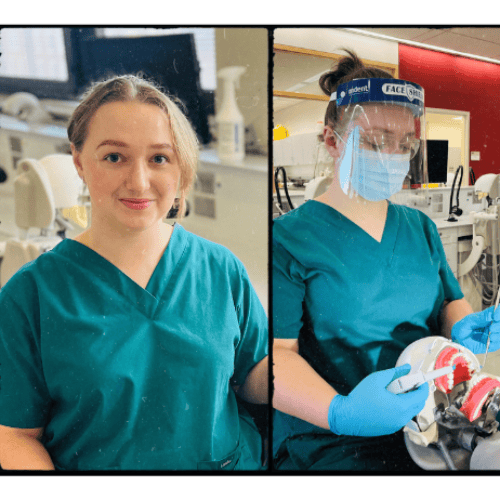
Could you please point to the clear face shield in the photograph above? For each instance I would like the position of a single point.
(380, 137)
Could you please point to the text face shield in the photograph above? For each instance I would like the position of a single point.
(380, 138)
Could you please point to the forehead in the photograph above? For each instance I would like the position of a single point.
(131, 119)
(386, 116)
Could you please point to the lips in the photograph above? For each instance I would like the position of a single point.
(136, 203)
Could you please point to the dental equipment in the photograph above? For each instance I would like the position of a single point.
(280, 205)
(43, 188)
(455, 209)
(489, 329)
(458, 428)
(409, 382)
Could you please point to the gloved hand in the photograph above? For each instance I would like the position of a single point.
(371, 410)
(472, 331)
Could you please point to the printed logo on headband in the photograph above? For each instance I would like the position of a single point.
(403, 90)
(357, 89)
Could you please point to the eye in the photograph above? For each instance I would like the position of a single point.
(375, 145)
(112, 158)
(160, 159)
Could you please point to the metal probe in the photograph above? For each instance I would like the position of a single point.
(489, 329)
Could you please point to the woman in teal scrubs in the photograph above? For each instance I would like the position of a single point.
(124, 348)
(356, 279)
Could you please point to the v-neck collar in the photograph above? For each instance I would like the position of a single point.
(383, 248)
(146, 299)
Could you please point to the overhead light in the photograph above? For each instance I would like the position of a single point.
(422, 45)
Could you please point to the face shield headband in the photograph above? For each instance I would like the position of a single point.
(383, 90)
(384, 144)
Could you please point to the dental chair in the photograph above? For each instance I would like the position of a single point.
(41, 191)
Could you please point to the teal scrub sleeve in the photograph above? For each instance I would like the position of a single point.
(452, 290)
(288, 293)
(24, 397)
(252, 346)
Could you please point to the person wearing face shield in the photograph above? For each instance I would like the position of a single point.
(356, 279)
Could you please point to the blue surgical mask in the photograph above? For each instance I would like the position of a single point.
(373, 175)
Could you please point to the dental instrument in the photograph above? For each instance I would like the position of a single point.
(411, 381)
(489, 329)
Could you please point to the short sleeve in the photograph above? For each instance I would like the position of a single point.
(451, 286)
(288, 294)
(24, 398)
(254, 341)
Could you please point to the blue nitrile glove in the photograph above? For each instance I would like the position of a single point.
(371, 410)
(472, 331)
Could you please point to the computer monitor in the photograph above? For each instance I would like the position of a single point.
(38, 61)
(437, 160)
(437, 163)
(170, 61)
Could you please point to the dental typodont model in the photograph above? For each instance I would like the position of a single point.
(480, 386)
(457, 428)
(463, 369)
(480, 389)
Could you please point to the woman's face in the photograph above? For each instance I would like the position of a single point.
(385, 128)
(129, 164)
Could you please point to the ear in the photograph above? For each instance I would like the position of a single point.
(77, 161)
(331, 141)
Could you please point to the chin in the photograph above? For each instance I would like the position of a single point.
(139, 224)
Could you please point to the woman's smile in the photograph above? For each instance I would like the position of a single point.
(136, 203)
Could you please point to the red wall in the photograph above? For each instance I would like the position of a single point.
(460, 83)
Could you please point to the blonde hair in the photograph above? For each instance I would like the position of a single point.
(128, 88)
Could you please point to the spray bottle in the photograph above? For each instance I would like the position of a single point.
(231, 129)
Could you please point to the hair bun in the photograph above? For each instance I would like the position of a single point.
(346, 67)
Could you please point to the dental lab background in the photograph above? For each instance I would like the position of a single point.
(459, 69)
(43, 71)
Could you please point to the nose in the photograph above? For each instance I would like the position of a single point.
(138, 176)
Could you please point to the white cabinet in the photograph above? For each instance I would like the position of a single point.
(449, 238)
(299, 149)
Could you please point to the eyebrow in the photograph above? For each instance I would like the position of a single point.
(111, 142)
(390, 132)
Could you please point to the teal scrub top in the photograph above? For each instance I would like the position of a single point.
(354, 303)
(123, 377)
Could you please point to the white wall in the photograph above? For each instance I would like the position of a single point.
(302, 117)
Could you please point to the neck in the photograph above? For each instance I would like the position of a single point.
(123, 247)
(354, 208)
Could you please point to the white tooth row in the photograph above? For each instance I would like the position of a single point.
(451, 376)
(473, 383)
